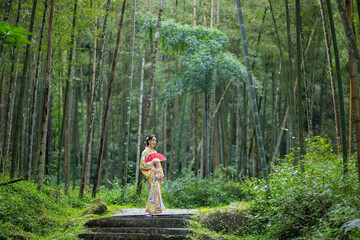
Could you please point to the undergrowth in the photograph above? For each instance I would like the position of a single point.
(26, 212)
(310, 200)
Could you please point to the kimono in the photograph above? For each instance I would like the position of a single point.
(154, 176)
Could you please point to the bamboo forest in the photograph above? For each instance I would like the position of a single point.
(191, 119)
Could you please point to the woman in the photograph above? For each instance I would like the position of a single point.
(154, 174)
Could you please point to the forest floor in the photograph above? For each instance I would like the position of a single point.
(141, 211)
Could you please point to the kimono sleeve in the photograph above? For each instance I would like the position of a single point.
(145, 167)
(159, 173)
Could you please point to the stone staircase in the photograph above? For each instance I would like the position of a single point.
(138, 227)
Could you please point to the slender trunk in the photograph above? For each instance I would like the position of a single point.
(332, 82)
(212, 14)
(218, 12)
(354, 66)
(194, 13)
(299, 87)
(129, 96)
(34, 109)
(44, 121)
(290, 75)
(165, 135)
(339, 81)
(205, 13)
(238, 132)
(277, 146)
(23, 82)
(67, 151)
(350, 117)
(108, 101)
(323, 101)
(140, 128)
(67, 84)
(203, 129)
(195, 103)
(65, 123)
(252, 94)
(276, 31)
(86, 165)
(355, 104)
(153, 65)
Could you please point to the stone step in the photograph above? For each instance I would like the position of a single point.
(138, 221)
(130, 236)
(168, 231)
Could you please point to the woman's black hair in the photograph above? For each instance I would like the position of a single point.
(148, 138)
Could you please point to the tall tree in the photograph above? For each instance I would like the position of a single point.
(299, 78)
(66, 105)
(354, 66)
(34, 110)
(129, 96)
(153, 65)
(331, 71)
(252, 94)
(140, 129)
(23, 86)
(108, 102)
(47, 89)
(85, 170)
(340, 85)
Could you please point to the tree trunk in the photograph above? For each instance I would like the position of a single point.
(20, 107)
(85, 170)
(290, 76)
(299, 87)
(34, 110)
(205, 13)
(212, 14)
(252, 95)
(354, 66)
(67, 84)
(339, 81)
(108, 102)
(65, 123)
(153, 65)
(218, 12)
(140, 128)
(203, 136)
(331, 71)
(129, 96)
(44, 121)
(194, 13)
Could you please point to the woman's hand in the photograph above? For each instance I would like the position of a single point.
(155, 161)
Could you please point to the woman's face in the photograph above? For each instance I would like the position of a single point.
(153, 142)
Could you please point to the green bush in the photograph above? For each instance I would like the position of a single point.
(313, 201)
(188, 191)
(26, 211)
(193, 192)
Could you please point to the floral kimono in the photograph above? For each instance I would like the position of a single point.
(154, 176)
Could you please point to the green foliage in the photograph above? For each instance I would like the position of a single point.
(193, 192)
(26, 211)
(205, 59)
(188, 191)
(318, 202)
(13, 36)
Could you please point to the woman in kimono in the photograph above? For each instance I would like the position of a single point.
(154, 174)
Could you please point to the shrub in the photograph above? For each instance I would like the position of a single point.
(314, 202)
